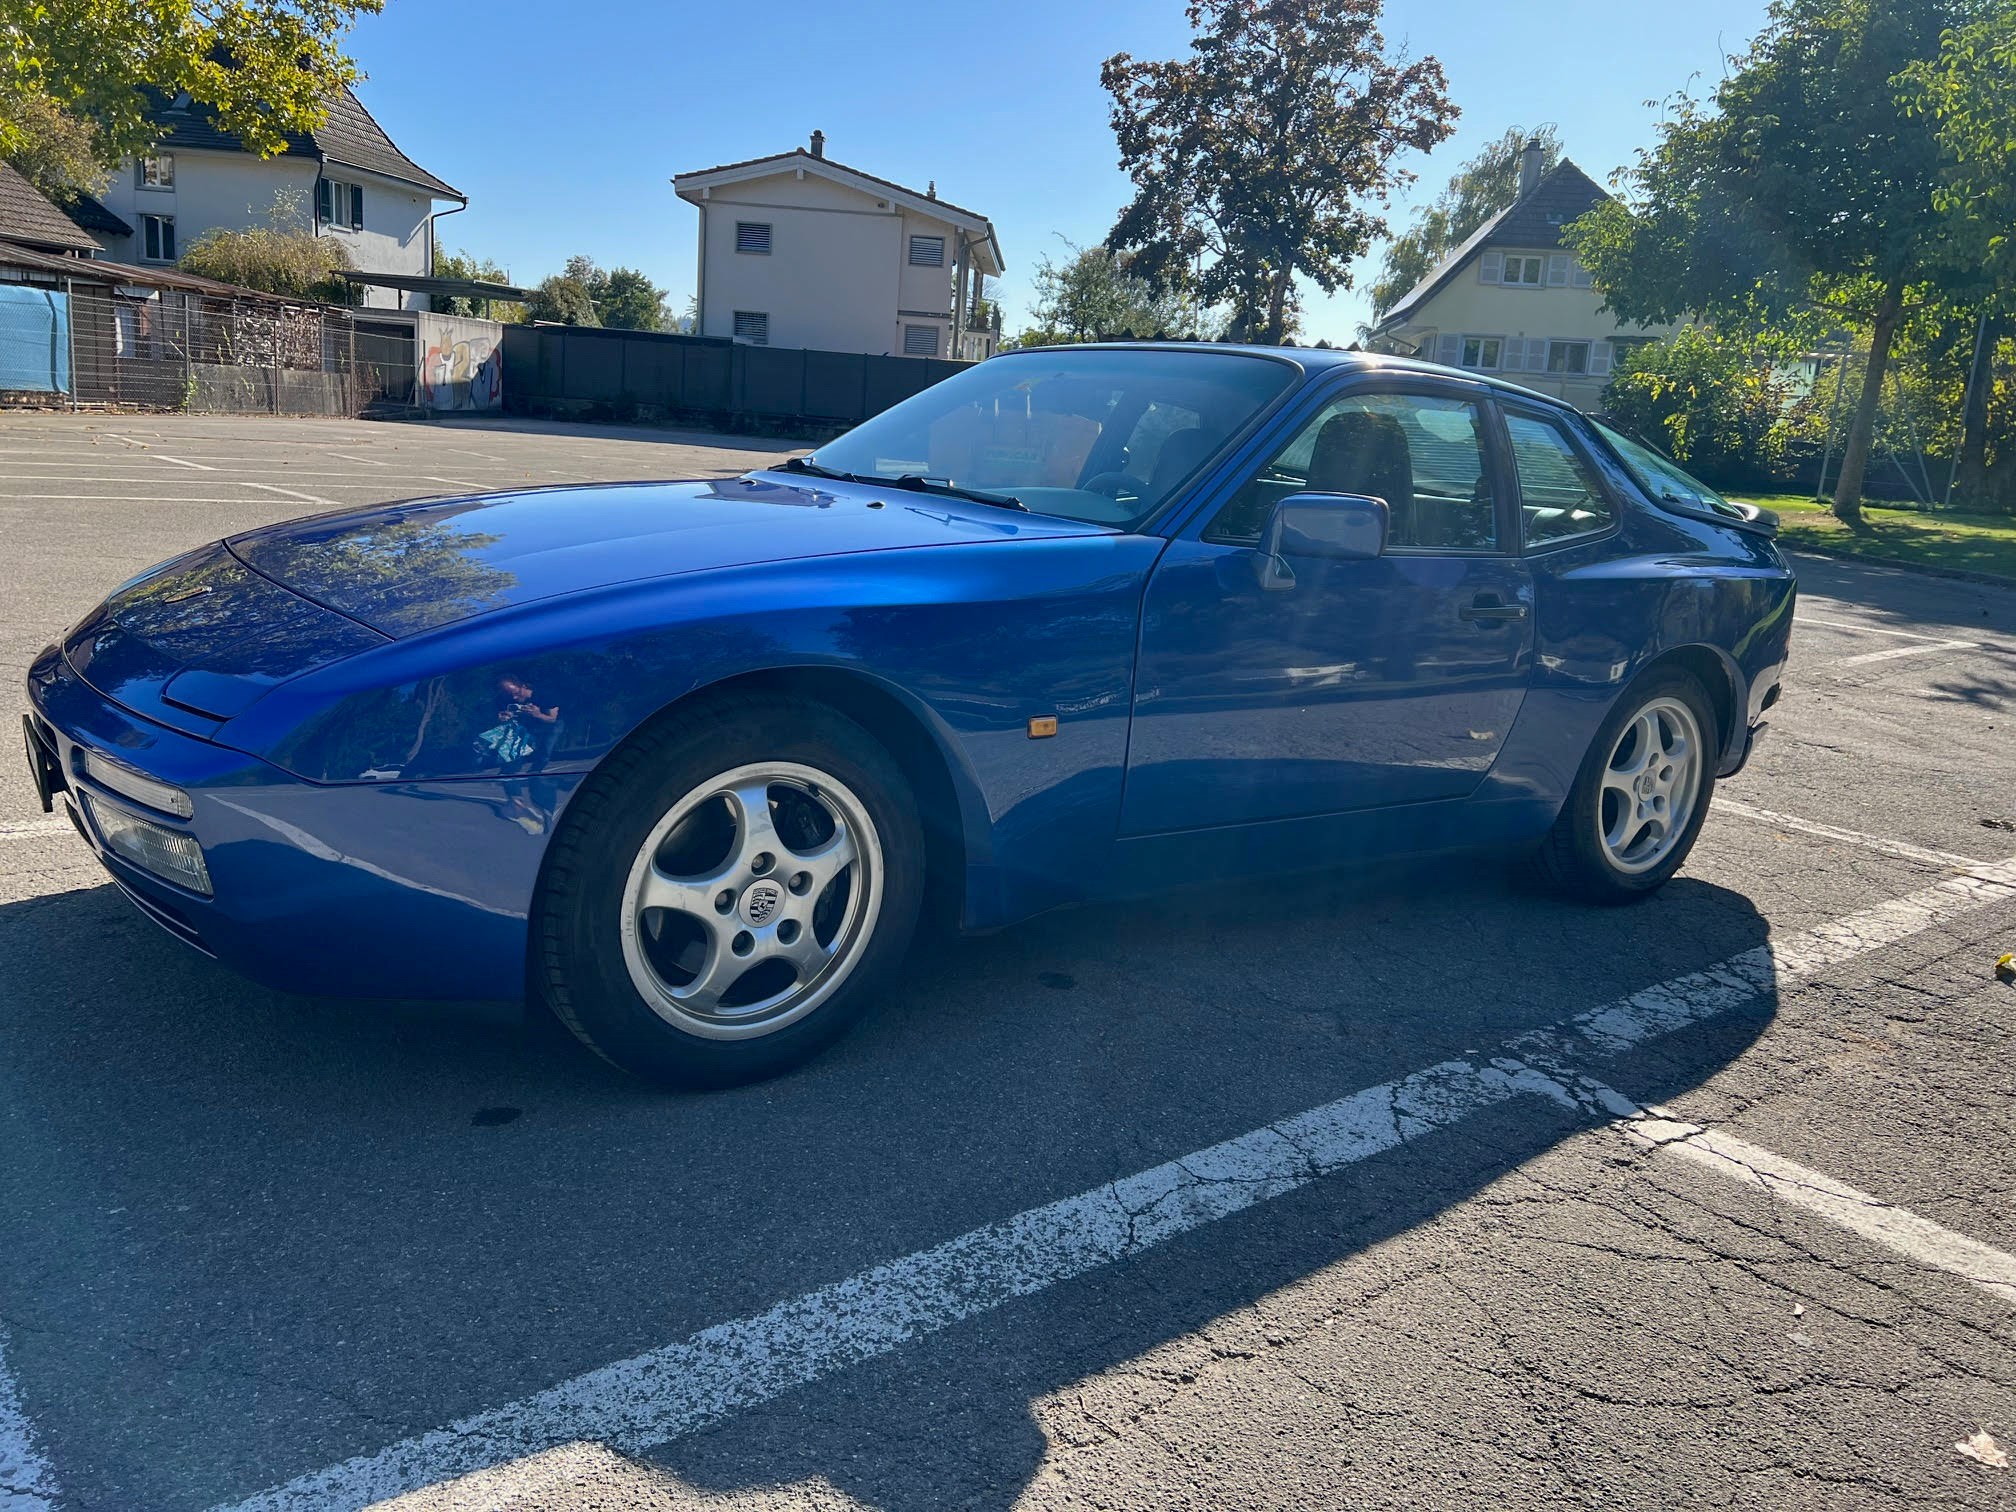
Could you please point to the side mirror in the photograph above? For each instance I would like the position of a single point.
(1340, 527)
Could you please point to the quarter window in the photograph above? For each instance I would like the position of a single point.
(1422, 454)
(1559, 495)
(157, 238)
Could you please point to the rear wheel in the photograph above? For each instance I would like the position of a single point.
(1641, 796)
(728, 891)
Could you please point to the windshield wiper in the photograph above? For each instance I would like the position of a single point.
(807, 465)
(918, 483)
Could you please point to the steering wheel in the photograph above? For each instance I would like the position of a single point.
(1113, 484)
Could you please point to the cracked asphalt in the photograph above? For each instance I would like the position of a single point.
(244, 1236)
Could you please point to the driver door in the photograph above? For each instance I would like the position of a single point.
(1322, 686)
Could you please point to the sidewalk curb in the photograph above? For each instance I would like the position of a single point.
(1895, 564)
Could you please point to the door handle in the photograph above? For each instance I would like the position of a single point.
(1488, 607)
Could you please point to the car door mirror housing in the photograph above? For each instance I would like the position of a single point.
(1342, 527)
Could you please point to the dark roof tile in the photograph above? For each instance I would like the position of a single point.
(27, 217)
(350, 136)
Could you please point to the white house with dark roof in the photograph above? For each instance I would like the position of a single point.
(347, 174)
(1513, 300)
(797, 250)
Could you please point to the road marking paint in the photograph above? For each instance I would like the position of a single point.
(465, 452)
(346, 457)
(27, 1483)
(1804, 619)
(1894, 1228)
(457, 482)
(663, 1393)
(181, 462)
(1948, 860)
(148, 498)
(28, 829)
(1896, 651)
(291, 493)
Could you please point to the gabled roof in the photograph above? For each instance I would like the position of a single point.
(688, 186)
(1533, 220)
(350, 137)
(88, 213)
(27, 217)
(155, 276)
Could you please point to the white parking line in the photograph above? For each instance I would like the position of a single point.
(657, 1396)
(1895, 1228)
(291, 493)
(28, 829)
(27, 1484)
(1945, 860)
(1896, 651)
(1805, 619)
(181, 462)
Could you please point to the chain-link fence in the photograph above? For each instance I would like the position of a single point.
(167, 349)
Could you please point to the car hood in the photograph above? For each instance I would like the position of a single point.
(401, 569)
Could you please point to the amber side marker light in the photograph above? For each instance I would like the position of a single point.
(1042, 728)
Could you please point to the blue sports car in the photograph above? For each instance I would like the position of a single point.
(687, 761)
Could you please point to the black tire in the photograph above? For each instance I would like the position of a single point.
(577, 962)
(1572, 859)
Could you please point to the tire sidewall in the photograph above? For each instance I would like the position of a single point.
(582, 901)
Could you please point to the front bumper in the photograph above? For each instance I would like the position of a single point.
(402, 889)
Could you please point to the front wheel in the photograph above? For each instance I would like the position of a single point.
(727, 893)
(1641, 796)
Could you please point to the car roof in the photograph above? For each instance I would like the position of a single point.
(1314, 360)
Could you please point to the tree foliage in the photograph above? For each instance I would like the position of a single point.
(263, 68)
(1092, 295)
(1803, 181)
(564, 300)
(1269, 152)
(54, 150)
(467, 265)
(1483, 186)
(282, 257)
(1715, 402)
(583, 294)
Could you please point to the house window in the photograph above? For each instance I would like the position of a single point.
(1525, 272)
(927, 251)
(1624, 346)
(1580, 277)
(339, 204)
(753, 237)
(753, 326)
(1567, 356)
(1482, 352)
(157, 171)
(920, 341)
(157, 238)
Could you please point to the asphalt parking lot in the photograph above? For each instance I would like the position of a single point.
(1416, 1189)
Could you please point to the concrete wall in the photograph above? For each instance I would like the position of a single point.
(236, 190)
(1467, 306)
(458, 363)
(837, 273)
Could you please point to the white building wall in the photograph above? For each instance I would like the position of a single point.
(236, 190)
(837, 277)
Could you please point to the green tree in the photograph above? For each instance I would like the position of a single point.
(630, 302)
(1092, 295)
(1714, 402)
(467, 265)
(566, 298)
(1804, 181)
(263, 68)
(282, 257)
(54, 150)
(1483, 186)
(1269, 150)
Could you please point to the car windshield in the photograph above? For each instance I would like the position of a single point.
(1100, 436)
(1662, 478)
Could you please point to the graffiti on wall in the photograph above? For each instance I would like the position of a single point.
(459, 363)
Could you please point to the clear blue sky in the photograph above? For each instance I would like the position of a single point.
(564, 124)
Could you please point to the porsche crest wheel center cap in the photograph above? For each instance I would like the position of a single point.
(761, 902)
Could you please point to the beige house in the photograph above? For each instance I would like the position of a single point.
(1512, 300)
(797, 250)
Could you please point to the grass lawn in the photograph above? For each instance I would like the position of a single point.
(1907, 537)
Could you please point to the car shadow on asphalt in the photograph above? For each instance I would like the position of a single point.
(442, 1212)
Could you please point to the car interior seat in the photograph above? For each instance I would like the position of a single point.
(1358, 452)
(1181, 452)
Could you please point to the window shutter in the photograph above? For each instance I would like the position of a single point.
(1581, 277)
(927, 251)
(1599, 358)
(322, 198)
(920, 341)
(753, 237)
(752, 326)
(1449, 350)
(1492, 269)
(1512, 355)
(1536, 354)
(356, 207)
(1557, 270)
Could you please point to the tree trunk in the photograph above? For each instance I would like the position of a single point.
(1277, 307)
(1973, 475)
(1862, 429)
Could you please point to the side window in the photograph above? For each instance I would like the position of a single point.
(1422, 454)
(1559, 495)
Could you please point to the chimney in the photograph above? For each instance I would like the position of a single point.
(819, 144)
(1530, 158)
(931, 190)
